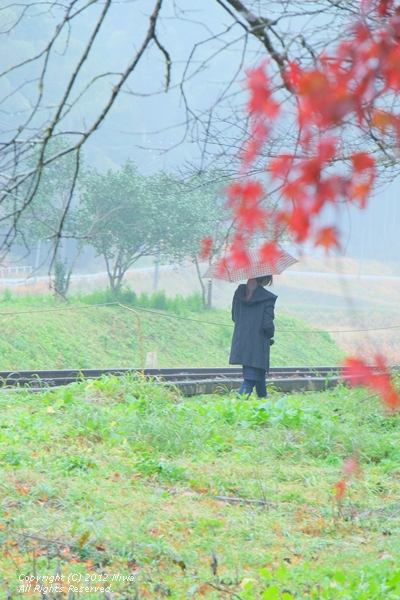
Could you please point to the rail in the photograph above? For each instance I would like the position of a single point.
(190, 382)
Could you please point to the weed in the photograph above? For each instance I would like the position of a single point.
(69, 464)
(161, 468)
(204, 496)
(7, 295)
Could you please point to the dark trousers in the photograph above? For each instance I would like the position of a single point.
(248, 385)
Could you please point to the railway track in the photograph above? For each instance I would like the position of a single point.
(191, 382)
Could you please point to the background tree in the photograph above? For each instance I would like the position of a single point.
(125, 218)
(194, 208)
(131, 216)
(41, 219)
(51, 218)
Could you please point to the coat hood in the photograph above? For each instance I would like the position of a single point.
(260, 295)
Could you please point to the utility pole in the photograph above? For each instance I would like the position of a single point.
(209, 293)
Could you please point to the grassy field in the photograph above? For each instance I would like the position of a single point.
(39, 333)
(208, 497)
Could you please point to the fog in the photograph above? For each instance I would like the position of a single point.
(160, 129)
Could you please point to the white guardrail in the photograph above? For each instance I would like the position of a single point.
(31, 279)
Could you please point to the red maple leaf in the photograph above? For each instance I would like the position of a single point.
(362, 162)
(360, 192)
(223, 268)
(240, 257)
(282, 165)
(300, 223)
(341, 487)
(351, 466)
(359, 373)
(328, 237)
(246, 199)
(261, 101)
(206, 248)
(251, 217)
(270, 253)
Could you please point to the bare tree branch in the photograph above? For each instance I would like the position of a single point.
(258, 27)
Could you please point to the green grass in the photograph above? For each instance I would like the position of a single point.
(124, 477)
(108, 336)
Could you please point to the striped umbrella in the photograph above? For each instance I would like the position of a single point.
(257, 266)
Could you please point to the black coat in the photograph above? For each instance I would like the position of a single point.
(254, 327)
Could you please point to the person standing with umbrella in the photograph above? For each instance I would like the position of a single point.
(253, 314)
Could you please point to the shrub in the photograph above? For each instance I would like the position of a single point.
(159, 301)
(156, 301)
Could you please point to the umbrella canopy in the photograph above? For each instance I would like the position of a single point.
(257, 266)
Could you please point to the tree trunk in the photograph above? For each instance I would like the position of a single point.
(121, 266)
(203, 287)
(72, 267)
(111, 278)
(59, 282)
(119, 275)
(209, 293)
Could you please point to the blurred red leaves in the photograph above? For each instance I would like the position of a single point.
(345, 90)
(341, 487)
(263, 109)
(206, 248)
(261, 100)
(239, 254)
(237, 257)
(345, 94)
(269, 253)
(351, 467)
(377, 378)
(328, 237)
(245, 200)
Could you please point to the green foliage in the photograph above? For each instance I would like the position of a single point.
(71, 464)
(194, 302)
(251, 413)
(369, 583)
(144, 300)
(159, 301)
(195, 209)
